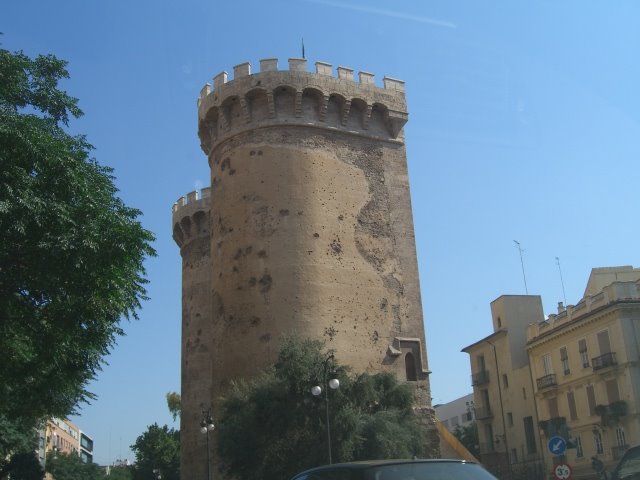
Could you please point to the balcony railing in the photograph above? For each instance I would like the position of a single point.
(604, 361)
(547, 381)
(480, 378)
(618, 451)
(483, 412)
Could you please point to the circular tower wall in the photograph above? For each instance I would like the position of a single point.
(311, 228)
(191, 231)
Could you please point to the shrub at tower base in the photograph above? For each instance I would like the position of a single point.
(71, 253)
(273, 427)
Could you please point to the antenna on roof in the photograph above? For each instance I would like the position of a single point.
(522, 263)
(303, 48)
(564, 295)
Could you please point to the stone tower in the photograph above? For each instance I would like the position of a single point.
(306, 230)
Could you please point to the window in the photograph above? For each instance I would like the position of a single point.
(485, 400)
(552, 403)
(480, 362)
(579, 451)
(529, 434)
(621, 439)
(584, 355)
(499, 322)
(514, 455)
(547, 366)
(455, 421)
(505, 380)
(591, 400)
(564, 360)
(597, 440)
(510, 419)
(410, 367)
(488, 432)
(613, 395)
(524, 393)
(603, 342)
(571, 401)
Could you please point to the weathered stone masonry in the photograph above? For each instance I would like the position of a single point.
(306, 230)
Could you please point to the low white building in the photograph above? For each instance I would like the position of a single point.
(457, 413)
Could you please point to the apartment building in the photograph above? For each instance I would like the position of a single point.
(503, 390)
(63, 436)
(585, 362)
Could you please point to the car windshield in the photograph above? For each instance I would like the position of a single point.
(406, 471)
(428, 471)
(629, 465)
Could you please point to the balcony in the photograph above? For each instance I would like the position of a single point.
(480, 378)
(483, 412)
(604, 361)
(618, 451)
(547, 381)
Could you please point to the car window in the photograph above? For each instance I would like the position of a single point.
(333, 474)
(430, 471)
(629, 465)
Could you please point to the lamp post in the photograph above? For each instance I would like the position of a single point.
(206, 426)
(316, 390)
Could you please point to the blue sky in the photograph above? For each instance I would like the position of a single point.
(524, 124)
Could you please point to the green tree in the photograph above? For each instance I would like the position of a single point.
(119, 473)
(157, 449)
(69, 466)
(468, 436)
(272, 427)
(71, 252)
(174, 404)
(25, 466)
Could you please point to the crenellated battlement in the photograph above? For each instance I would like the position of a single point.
(299, 97)
(191, 216)
(299, 65)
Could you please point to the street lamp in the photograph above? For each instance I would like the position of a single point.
(316, 391)
(206, 426)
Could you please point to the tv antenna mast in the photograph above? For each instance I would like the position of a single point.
(564, 295)
(524, 277)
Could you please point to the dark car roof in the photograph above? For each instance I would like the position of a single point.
(373, 463)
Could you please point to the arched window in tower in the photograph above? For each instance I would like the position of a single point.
(410, 367)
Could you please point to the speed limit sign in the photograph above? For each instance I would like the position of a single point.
(562, 471)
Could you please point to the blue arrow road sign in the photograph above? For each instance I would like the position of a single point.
(557, 445)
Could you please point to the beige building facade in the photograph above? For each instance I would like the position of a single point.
(60, 435)
(505, 409)
(306, 230)
(586, 364)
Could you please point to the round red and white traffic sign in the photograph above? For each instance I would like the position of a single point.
(562, 471)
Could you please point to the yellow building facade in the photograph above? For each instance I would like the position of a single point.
(585, 363)
(504, 402)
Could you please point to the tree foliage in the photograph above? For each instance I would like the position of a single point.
(174, 404)
(468, 436)
(120, 473)
(71, 252)
(69, 466)
(24, 466)
(157, 449)
(272, 427)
